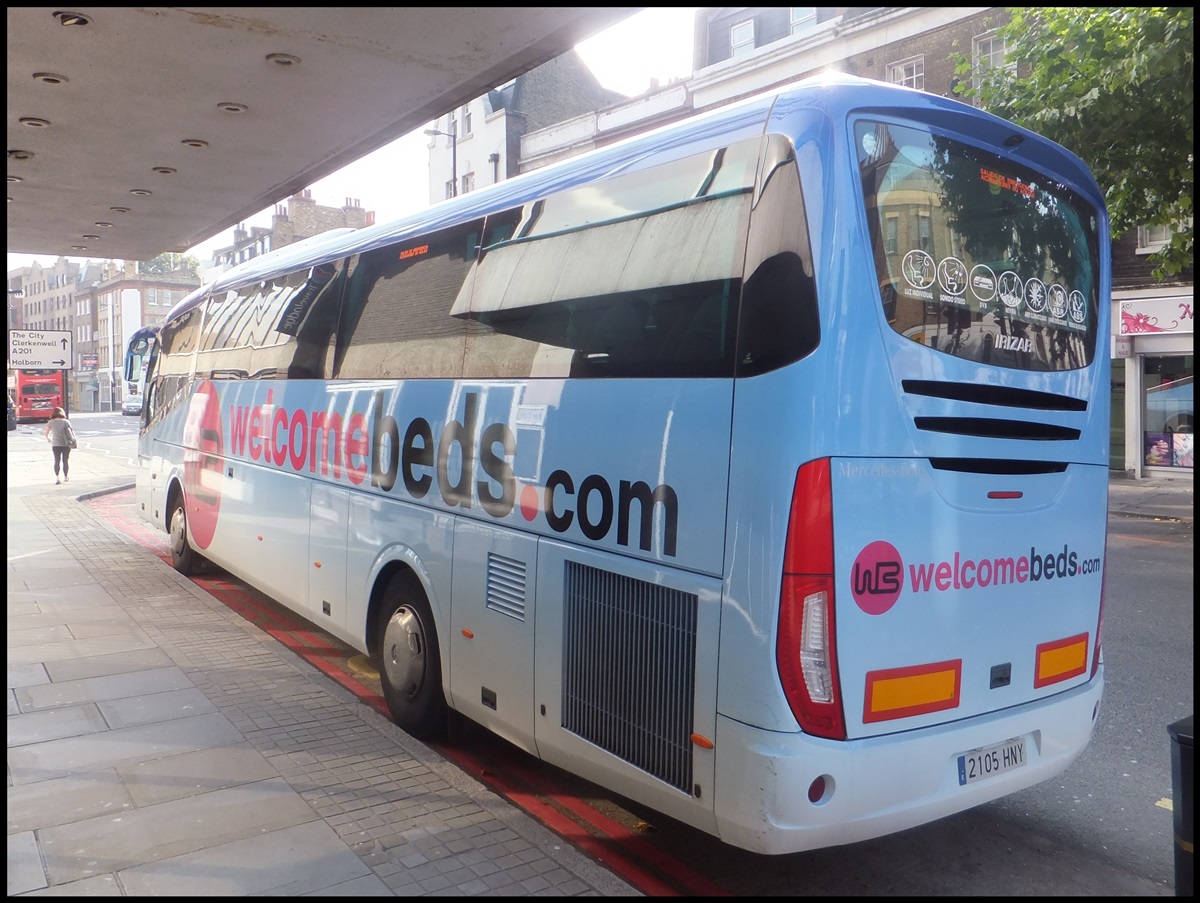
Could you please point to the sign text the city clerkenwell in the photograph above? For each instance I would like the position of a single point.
(45, 349)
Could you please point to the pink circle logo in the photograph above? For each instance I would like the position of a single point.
(529, 502)
(877, 578)
(203, 447)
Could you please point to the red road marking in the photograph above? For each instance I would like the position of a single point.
(604, 849)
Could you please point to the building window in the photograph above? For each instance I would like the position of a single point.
(468, 182)
(909, 72)
(891, 237)
(741, 38)
(466, 121)
(924, 232)
(803, 18)
(1152, 238)
(987, 51)
(449, 188)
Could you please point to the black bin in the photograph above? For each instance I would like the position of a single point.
(1182, 738)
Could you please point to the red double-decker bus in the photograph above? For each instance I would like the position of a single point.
(38, 393)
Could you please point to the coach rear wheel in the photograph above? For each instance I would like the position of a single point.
(184, 558)
(410, 662)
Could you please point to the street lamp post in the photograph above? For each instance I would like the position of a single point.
(453, 136)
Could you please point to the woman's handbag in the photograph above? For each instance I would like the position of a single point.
(72, 442)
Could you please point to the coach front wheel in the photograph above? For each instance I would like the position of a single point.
(410, 662)
(185, 559)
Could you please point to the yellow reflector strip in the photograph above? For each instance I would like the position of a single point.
(916, 690)
(1061, 660)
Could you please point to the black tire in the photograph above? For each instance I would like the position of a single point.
(185, 559)
(410, 661)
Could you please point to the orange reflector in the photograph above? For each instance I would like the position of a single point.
(916, 690)
(468, 634)
(702, 741)
(1061, 660)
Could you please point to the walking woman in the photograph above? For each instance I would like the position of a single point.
(61, 437)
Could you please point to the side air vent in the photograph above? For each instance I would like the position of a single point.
(1001, 396)
(629, 665)
(506, 586)
(997, 466)
(987, 428)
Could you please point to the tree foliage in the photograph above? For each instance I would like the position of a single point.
(169, 263)
(1114, 85)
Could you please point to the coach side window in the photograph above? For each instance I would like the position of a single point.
(311, 317)
(175, 359)
(250, 331)
(635, 276)
(779, 322)
(396, 318)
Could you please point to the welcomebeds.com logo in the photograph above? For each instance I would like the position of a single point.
(464, 463)
(879, 575)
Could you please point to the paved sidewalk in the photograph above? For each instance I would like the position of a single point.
(1160, 498)
(160, 744)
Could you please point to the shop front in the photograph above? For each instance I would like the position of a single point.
(1152, 350)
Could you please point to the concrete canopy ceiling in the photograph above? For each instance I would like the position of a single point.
(95, 110)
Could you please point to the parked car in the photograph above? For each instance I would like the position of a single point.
(132, 404)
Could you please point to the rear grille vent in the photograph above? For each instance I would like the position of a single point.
(987, 428)
(506, 586)
(629, 664)
(1001, 396)
(998, 466)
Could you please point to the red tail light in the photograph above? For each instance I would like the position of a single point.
(1096, 650)
(806, 649)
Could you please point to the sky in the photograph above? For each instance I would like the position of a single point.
(655, 43)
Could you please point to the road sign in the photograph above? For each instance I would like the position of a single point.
(45, 349)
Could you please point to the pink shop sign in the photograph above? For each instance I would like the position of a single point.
(1156, 315)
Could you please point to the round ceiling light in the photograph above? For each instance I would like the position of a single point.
(67, 18)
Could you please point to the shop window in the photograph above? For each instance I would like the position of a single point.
(1168, 411)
